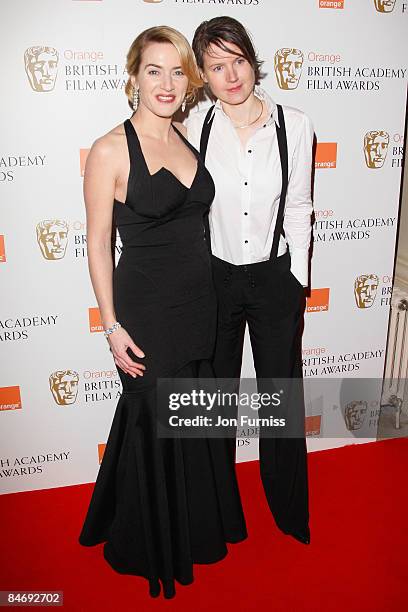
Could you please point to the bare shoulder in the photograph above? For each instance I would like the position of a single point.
(107, 146)
(181, 128)
(107, 152)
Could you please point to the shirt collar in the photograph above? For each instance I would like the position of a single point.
(260, 93)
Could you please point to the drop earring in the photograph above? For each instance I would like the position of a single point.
(183, 106)
(135, 98)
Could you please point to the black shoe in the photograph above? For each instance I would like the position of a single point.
(154, 588)
(302, 536)
(169, 590)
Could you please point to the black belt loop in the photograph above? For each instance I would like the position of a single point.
(227, 278)
(251, 279)
(283, 152)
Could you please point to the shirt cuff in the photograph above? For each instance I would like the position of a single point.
(299, 265)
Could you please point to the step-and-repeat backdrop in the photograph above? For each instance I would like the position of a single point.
(343, 62)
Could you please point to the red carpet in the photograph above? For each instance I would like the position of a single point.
(356, 560)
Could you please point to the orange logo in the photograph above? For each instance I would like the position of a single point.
(326, 155)
(313, 424)
(101, 451)
(83, 154)
(95, 323)
(2, 250)
(10, 398)
(333, 4)
(318, 300)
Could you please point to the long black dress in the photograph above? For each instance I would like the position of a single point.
(162, 504)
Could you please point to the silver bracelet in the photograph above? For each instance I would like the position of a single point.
(110, 330)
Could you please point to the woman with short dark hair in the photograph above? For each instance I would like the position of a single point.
(260, 156)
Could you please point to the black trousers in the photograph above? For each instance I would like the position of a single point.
(270, 299)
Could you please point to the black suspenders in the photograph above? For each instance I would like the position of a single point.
(283, 153)
(205, 132)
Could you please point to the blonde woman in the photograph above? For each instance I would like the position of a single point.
(159, 504)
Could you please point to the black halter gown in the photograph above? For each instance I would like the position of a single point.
(162, 504)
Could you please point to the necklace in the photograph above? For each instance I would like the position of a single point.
(241, 127)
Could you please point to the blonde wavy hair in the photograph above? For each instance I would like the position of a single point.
(163, 34)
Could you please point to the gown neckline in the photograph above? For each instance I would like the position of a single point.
(163, 168)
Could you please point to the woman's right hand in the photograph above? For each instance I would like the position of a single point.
(119, 341)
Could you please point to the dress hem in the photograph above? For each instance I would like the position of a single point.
(109, 556)
(230, 540)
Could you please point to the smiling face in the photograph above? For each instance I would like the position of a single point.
(161, 81)
(229, 75)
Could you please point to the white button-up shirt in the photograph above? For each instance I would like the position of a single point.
(248, 183)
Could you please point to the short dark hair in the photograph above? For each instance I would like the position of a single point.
(221, 30)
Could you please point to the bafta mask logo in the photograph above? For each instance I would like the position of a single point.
(288, 67)
(376, 148)
(52, 237)
(384, 6)
(365, 290)
(64, 386)
(354, 414)
(41, 65)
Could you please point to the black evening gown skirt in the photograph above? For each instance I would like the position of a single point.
(162, 504)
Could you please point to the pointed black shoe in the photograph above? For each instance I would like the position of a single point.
(169, 589)
(154, 588)
(302, 536)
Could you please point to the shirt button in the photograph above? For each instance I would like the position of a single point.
(245, 213)
(246, 183)
(246, 241)
(250, 151)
